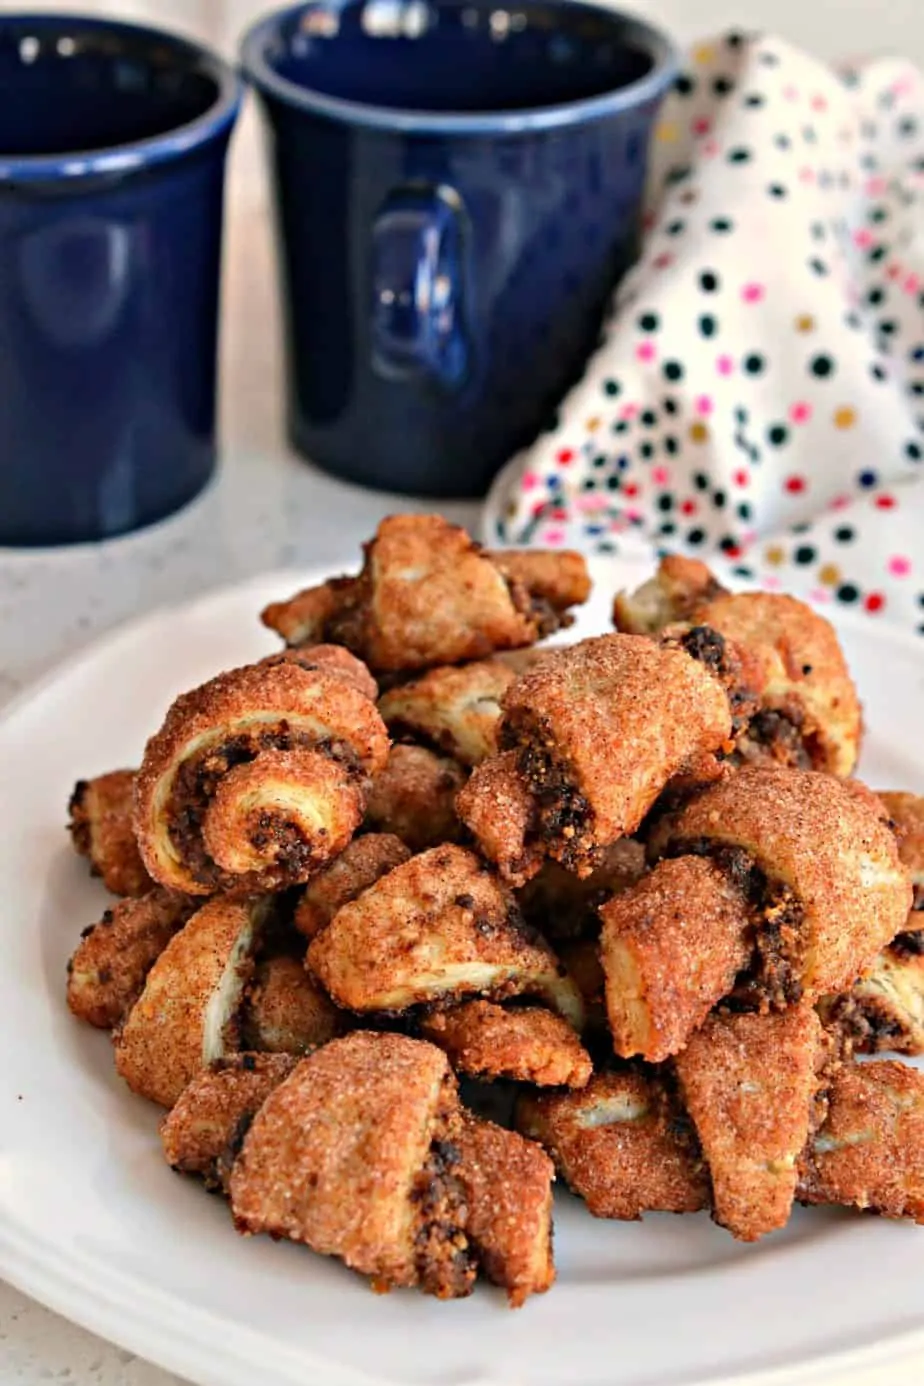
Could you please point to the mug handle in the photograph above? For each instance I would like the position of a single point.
(418, 330)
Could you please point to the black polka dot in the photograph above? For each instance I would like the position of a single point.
(782, 141)
(876, 296)
(669, 405)
(804, 554)
(802, 528)
(673, 370)
(920, 630)
(611, 388)
(754, 363)
(685, 84)
(665, 502)
(878, 372)
(819, 232)
(818, 266)
(907, 127)
(917, 353)
(853, 320)
(621, 426)
(754, 100)
(600, 460)
(734, 39)
(743, 572)
(754, 453)
(648, 417)
(777, 434)
(708, 324)
(769, 59)
(887, 326)
(709, 281)
(648, 322)
(674, 228)
(671, 445)
(847, 592)
(722, 225)
(646, 450)
(588, 484)
(728, 544)
(606, 547)
(741, 415)
(739, 155)
(678, 175)
(701, 481)
(695, 536)
(667, 527)
(845, 534)
(613, 482)
(879, 215)
(913, 450)
(744, 511)
(822, 366)
(878, 252)
(718, 499)
(777, 189)
(809, 134)
(722, 85)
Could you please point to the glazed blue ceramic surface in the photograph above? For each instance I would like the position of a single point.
(112, 152)
(458, 186)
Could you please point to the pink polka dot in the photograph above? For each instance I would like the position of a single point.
(795, 485)
(772, 584)
(875, 187)
(749, 536)
(660, 476)
(819, 103)
(565, 456)
(724, 365)
(800, 412)
(529, 481)
(633, 513)
(711, 149)
(894, 271)
(741, 477)
(863, 238)
(839, 503)
(752, 293)
(899, 567)
(702, 126)
(790, 93)
(628, 411)
(704, 405)
(663, 260)
(911, 284)
(645, 351)
(819, 594)
(806, 175)
(553, 537)
(588, 504)
(648, 220)
(903, 86)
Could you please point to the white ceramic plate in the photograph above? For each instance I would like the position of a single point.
(94, 1224)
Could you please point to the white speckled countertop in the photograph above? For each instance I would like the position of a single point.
(266, 510)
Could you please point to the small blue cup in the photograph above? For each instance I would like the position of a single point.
(458, 187)
(112, 152)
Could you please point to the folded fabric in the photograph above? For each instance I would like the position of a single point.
(757, 398)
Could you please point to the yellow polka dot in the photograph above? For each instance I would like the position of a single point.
(699, 433)
(830, 575)
(845, 417)
(667, 132)
(805, 323)
(592, 425)
(774, 556)
(705, 53)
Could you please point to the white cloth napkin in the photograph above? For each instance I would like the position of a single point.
(758, 396)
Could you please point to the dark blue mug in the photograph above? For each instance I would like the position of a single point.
(458, 188)
(112, 153)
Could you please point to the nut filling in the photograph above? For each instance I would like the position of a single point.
(198, 778)
(774, 977)
(564, 818)
(446, 1262)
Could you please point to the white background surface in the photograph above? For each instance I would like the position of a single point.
(269, 510)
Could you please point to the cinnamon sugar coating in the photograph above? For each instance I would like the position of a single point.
(188, 1013)
(101, 830)
(526, 1043)
(414, 797)
(429, 595)
(454, 709)
(440, 927)
(286, 1012)
(107, 971)
(502, 815)
(358, 867)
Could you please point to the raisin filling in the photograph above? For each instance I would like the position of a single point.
(563, 816)
(777, 736)
(445, 1261)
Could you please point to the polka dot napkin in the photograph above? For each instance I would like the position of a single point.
(758, 394)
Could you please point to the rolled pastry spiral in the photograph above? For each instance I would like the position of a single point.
(259, 777)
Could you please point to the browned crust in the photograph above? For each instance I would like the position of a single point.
(611, 719)
(286, 1012)
(334, 1155)
(501, 814)
(508, 1186)
(884, 1010)
(621, 1144)
(255, 702)
(824, 842)
(671, 947)
(414, 797)
(907, 814)
(556, 576)
(526, 1043)
(429, 595)
(456, 710)
(334, 659)
(564, 906)
(107, 971)
(186, 1015)
(870, 1151)
(440, 927)
(203, 1130)
(748, 1083)
(358, 866)
(101, 830)
(673, 594)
